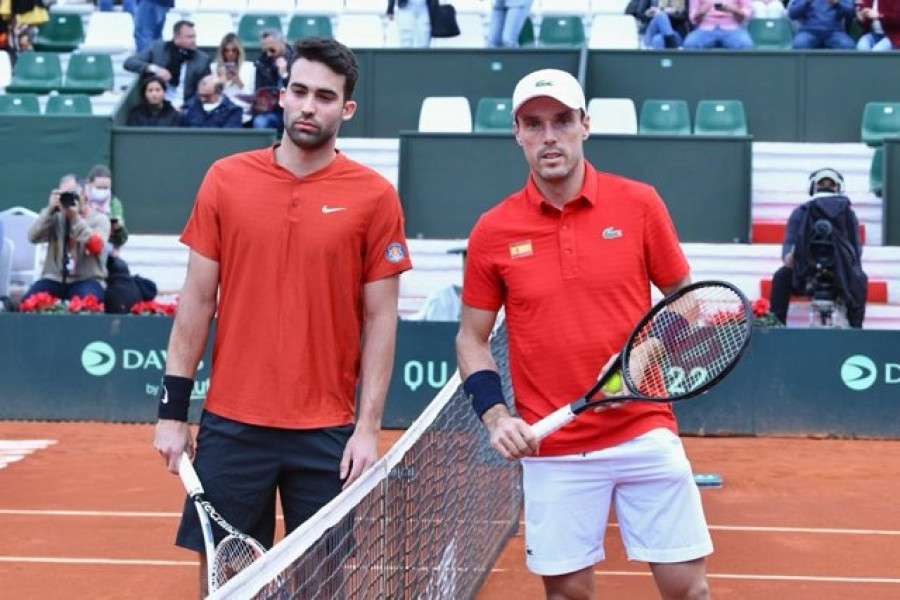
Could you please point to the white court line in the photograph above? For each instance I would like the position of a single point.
(99, 561)
(761, 577)
(92, 513)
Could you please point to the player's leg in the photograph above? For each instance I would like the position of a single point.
(566, 512)
(660, 514)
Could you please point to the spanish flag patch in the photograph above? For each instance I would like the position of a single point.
(520, 249)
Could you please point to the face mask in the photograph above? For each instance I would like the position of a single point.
(98, 196)
(209, 106)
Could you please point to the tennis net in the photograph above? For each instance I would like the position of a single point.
(426, 522)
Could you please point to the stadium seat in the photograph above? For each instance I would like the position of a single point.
(16, 223)
(526, 36)
(608, 7)
(880, 120)
(7, 249)
(771, 34)
(36, 73)
(19, 104)
(445, 114)
(876, 291)
(250, 26)
(614, 32)
(64, 32)
(321, 7)
(612, 116)
(268, 7)
(89, 74)
(494, 115)
(360, 30)
(876, 172)
(211, 28)
(720, 117)
(563, 7)
(234, 7)
(109, 33)
(561, 30)
(665, 117)
(5, 69)
(472, 33)
(185, 7)
(364, 7)
(69, 104)
(302, 26)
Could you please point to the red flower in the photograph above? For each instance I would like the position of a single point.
(760, 307)
(88, 304)
(152, 307)
(40, 302)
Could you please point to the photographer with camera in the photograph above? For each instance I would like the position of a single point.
(822, 252)
(76, 236)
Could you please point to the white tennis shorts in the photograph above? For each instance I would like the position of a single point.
(648, 479)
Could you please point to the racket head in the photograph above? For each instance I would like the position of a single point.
(688, 342)
(232, 555)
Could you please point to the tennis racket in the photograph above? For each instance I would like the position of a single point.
(235, 552)
(685, 345)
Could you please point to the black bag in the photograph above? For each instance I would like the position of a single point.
(443, 20)
(124, 290)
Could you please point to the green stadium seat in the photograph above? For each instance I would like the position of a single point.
(771, 34)
(494, 114)
(250, 26)
(880, 120)
(526, 36)
(19, 104)
(89, 74)
(720, 117)
(302, 26)
(561, 30)
(64, 32)
(36, 73)
(664, 117)
(876, 172)
(69, 104)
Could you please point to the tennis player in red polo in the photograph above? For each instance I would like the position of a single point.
(571, 258)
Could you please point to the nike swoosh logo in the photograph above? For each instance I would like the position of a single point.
(165, 398)
(331, 209)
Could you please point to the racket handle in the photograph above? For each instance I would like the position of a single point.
(189, 476)
(553, 421)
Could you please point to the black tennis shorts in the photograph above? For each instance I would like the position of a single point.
(242, 466)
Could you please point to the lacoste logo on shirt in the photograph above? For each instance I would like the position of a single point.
(330, 209)
(611, 233)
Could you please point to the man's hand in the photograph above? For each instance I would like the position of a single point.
(622, 391)
(510, 436)
(172, 439)
(360, 454)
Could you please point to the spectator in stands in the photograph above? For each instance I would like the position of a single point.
(179, 63)
(24, 36)
(413, 22)
(271, 78)
(99, 196)
(720, 24)
(880, 19)
(210, 108)
(507, 19)
(153, 110)
(661, 23)
(768, 9)
(230, 57)
(821, 24)
(826, 188)
(149, 19)
(107, 5)
(76, 236)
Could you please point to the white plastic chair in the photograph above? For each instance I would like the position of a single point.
(581, 8)
(614, 32)
(472, 33)
(5, 69)
(609, 7)
(445, 114)
(234, 7)
(211, 28)
(7, 250)
(109, 33)
(185, 7)
(613, 116)
(321, 7)
(26, 258)
(364, 7)
(360, 31)
(279, 7)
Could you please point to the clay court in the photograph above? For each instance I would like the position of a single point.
(93, 516)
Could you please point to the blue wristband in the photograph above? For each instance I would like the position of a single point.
(175, 397)
(484, 389)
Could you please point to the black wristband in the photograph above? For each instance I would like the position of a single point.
(175, 397)
(484, 389)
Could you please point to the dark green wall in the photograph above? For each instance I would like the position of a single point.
(36, 151)
(157, 170)
(891, 195)
(447, 180)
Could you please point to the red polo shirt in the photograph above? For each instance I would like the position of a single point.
(574, 282)
(294, 255)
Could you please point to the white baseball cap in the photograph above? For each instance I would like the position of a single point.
(552, 83)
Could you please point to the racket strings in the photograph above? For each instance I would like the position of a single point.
(692, 341)
(233, 555)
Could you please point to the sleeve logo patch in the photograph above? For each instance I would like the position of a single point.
(395, 253)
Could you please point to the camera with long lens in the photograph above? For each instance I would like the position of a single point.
(820, 285)
(68, 199)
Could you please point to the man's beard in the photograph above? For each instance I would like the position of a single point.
(310, 141)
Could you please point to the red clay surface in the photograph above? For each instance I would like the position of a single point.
(797, 518)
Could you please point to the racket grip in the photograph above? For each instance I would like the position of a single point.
(189, 476)
(553, 421)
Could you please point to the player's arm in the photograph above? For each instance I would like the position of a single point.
(190, 331)
(376, 362)
(510, 436)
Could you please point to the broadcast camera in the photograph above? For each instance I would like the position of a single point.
(826, 307)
